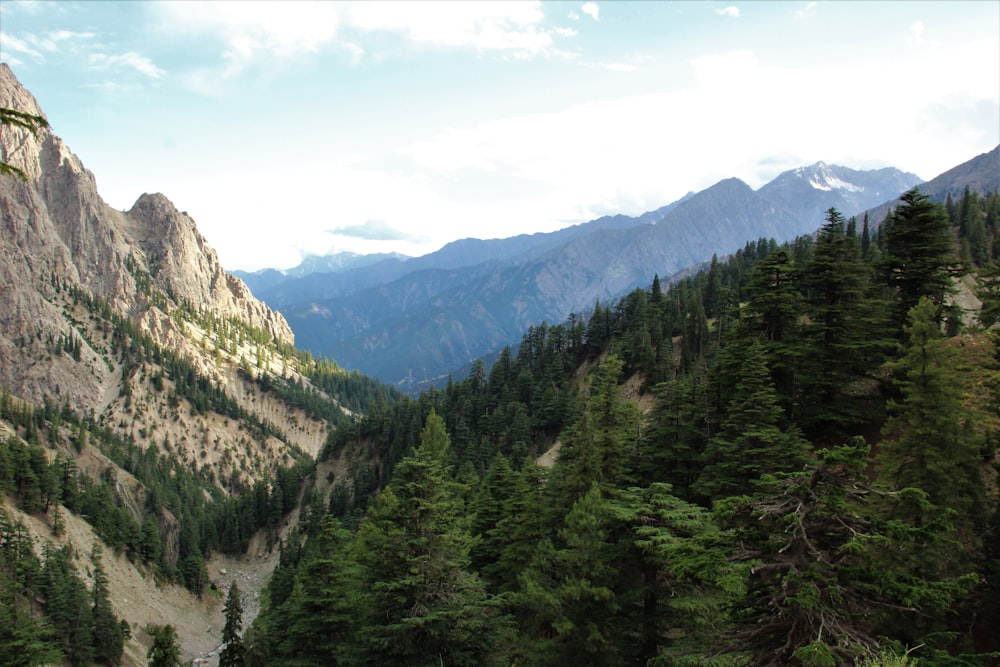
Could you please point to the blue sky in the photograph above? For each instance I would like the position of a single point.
(288, 129)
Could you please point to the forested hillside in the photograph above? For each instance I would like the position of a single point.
(154, 416)
(788, 458)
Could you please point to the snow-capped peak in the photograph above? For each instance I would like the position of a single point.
(821, 177)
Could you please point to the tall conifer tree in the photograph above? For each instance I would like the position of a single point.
(414, 544)
(919, 254)
(232, 654)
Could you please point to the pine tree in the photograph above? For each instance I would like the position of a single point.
(919, 254)
(927, 444)
(25, 640)
(521, 528)
(568, 590)
(601, 446)
(488, 506)
(773, 314)
(327, 605)
(414, 546)
(840, 341)
(680, 580)
(673, 443)
(232, 654)
(67, 605)
(106, 630)
(165, 651)
(828, 574)
(750, 442)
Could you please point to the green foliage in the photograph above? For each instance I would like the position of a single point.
(927, 444)
(106, 629)
(567, 590)
(30, 122)
(414, 546)
(919, 254)
(232, 653)
(750, 442)
(829, 570)
(26, 638)
(165, 650)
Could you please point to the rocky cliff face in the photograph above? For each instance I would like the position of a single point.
(57, 231)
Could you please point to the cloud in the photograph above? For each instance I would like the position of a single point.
(484, 26)
(36, 46)
(633, 62)
(9, 43)
(731, 10)
(253, 31)
(618, 67)
(592, 10)
(918, 31)
(139, 63)
(372, 230)
(807, 11)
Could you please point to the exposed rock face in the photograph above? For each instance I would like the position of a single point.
(55, 230)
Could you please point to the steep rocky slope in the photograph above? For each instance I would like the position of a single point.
(125, 322)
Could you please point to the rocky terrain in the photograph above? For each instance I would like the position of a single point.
(128, 320)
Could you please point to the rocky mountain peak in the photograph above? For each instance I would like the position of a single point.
(56, 231)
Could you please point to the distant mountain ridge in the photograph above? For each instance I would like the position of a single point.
(405, 321)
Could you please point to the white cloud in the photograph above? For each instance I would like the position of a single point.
(564, 32)
(138, 62)
(807, 11)
(485, 26)
(728, 11)
(256, 30)
(637, 153)
(918, 31)
(10, 43)
(618, 67)
(592, 10)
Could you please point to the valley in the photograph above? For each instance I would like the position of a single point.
(695, 441)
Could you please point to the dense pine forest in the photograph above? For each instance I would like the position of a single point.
(787, 457)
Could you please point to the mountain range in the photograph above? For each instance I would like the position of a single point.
(409, 321)
(130, 357)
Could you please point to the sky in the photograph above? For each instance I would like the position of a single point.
(301, 128)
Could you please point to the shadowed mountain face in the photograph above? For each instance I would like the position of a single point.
(406, 321)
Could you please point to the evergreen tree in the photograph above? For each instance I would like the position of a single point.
(106, 630)
(327, 606)
(25, 640)
(568, 590)
(681, 559)
(919, 254)
(165, 651)
(232, 654)
(490, 503)
(828, 574)
(673, 443)
(750, 442)
(840, 338)
(927, 444)
(601, 446)
(773, 314)
(414, 545)
(523, 526)
(67, 605)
